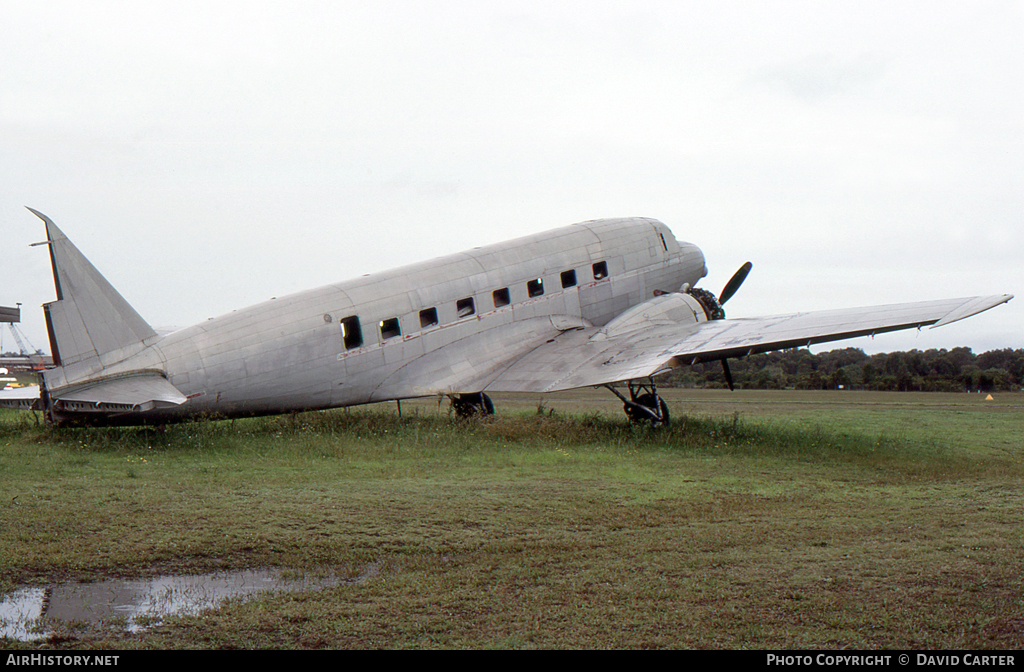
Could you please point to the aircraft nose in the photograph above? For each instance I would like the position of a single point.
(693, 258)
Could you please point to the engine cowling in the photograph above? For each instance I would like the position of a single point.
(709, 302)
(663, 310)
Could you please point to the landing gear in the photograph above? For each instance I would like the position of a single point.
(648, 408)
(644, 405)
(470, 405)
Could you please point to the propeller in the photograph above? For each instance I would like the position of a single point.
(727, 292)
(713, 306)
(734, 282)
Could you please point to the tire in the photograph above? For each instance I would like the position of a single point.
(470, 405)
(653, 402)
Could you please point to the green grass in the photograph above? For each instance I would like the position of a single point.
(760, 520)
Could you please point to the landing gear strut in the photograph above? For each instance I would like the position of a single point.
(644, 405)
(470, 405)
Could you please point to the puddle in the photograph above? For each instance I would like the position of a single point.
(32, 613)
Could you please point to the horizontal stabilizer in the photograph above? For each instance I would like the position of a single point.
(21, 398)
(137, 391)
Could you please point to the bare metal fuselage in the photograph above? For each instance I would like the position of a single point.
(292, 353)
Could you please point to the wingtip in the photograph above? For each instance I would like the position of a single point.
(971, 307)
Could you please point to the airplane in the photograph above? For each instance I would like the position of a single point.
(607, 303)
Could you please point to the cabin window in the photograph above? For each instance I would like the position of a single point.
(535, 287)
(501, 297)
(465, 307)
(351, 334)
(600, 270)
(389, 328)
(428, 317)
(568, 278)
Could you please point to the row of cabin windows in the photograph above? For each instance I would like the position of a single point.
(352, 333)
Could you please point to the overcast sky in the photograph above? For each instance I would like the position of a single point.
(208, 155)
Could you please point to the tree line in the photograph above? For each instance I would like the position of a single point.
(956, 370)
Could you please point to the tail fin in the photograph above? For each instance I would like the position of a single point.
(90, 325)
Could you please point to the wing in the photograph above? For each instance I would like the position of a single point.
(587, 357)
(469, 364)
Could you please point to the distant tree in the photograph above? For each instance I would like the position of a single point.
(931, 370)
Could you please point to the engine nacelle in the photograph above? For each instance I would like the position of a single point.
(709, 302)
(664, 310)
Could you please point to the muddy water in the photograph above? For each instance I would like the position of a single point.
(32, 613)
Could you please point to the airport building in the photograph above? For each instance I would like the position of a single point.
(23, 360)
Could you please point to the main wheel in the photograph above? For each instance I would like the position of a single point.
(469, 405)
(656, 416)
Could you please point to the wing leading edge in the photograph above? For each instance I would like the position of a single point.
(578, 359)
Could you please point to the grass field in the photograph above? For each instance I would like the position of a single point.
(759, 519)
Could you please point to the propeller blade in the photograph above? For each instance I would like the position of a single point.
(734, 282)
(728, 374)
